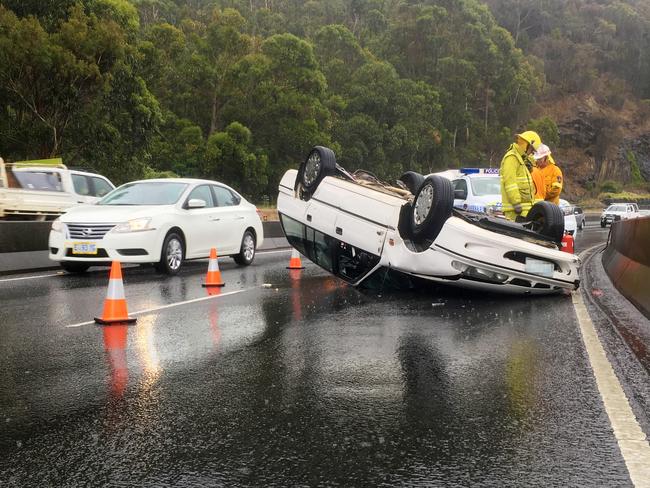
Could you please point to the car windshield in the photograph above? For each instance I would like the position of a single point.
(487, 185)
(616, 208)
(145, 193)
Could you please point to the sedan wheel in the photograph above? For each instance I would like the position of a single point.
(247, 250)
(171, 258)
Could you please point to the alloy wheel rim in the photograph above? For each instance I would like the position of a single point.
(312, 168)
(174, 254)
(249, 247)
(423, 204)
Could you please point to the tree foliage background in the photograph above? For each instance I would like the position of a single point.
(240, 90)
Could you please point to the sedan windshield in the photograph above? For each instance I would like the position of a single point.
(486, 186)
(145, 193)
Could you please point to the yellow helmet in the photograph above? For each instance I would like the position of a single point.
(532, 138)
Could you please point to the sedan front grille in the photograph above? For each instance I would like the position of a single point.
(88, 231)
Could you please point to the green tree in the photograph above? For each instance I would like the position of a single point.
(278, 94)
(231, 158)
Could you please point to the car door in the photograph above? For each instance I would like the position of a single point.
(460, 193)
(82, 188)
(231, 217)
(100, 186)
(201, 225)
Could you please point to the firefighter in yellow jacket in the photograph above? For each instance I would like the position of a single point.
(551, 173)
(517, 188)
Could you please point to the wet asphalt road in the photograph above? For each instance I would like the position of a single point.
(307, 382)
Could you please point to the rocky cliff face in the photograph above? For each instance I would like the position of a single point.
(599, 144)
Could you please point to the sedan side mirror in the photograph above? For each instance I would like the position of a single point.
(196, 203)
(460, 194)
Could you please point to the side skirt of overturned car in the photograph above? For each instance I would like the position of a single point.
(472, 277)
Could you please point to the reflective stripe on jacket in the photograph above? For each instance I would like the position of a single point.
(553, 182)
(516, 183)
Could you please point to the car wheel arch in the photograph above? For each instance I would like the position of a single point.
(174, 230)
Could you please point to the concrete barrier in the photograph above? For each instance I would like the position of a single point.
(23, 245)
(627, 260)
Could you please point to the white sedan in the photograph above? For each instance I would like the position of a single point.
(163, 222)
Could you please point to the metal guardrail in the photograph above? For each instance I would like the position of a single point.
(627, 260)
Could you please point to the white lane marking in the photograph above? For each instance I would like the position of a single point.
(630, 437)
(177, 304)
(30, 277)
(289, 249)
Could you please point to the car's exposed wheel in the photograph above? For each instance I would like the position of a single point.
(582, 225)
(247, 250)
(412, 180)
(75, 267)
(320, 163)
(171, 255)
(603, 224)
(431, 207)
(547, 219)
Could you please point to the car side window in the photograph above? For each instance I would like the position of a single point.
(225, 198)
(81, 185)
(102, 187)
(202, 192)
(460, 185)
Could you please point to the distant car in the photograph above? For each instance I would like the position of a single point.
(161, 221)
(622, 211)
(580, 216)
(370, 233)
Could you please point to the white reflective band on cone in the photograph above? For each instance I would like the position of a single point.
(115, 290)
(213, 265)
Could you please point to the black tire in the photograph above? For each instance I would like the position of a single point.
(247, 249)
(171, 254)
(547, 219)
(582, 224)
(603, 224)
(75, 267)
(320, 162)
(431, 207)
(412, 180)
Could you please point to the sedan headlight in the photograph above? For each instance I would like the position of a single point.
(57, 225)
(135, 225)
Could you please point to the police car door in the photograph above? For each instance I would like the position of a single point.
(460, 193)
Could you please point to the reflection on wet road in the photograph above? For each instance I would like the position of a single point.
(307, 382)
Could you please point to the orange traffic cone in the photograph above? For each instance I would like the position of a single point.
(115, 304)
(213, 278)
(294, 262)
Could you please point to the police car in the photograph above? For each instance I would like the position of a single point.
(477, 190)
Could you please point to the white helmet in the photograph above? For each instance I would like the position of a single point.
(542, 151)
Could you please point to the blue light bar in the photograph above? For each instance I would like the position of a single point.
(474, 171)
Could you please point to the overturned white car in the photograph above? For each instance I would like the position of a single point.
(370, 233)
